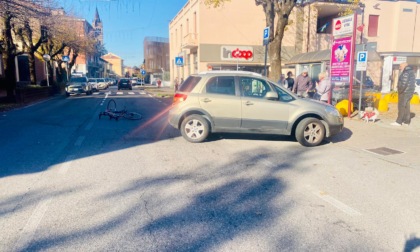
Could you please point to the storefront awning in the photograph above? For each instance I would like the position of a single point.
(324, 55)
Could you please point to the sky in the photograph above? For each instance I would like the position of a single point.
(127, 22)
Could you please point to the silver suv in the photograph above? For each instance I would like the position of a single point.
(245, 102)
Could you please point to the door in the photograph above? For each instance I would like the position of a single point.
(220, 100)
(260, 114)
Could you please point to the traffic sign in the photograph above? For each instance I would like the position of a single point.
(179, 61)
(361, 64)
(143, 72)
(266, 35)
(65, 58)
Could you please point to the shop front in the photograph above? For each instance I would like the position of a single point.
(232, 57)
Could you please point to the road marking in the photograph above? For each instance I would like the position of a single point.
(65, 166)
(130, 92)
(120, 93)
(338, 204)
(79, 141)
(32, 225)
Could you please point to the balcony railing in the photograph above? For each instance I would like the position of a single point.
(190, 41)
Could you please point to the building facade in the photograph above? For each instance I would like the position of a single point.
(117, 64)
(196, 37)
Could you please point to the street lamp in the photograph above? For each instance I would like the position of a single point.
(47, 58)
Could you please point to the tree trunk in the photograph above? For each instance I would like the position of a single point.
(32, 72)
(10, 76)
(275, 59)
(8, 57)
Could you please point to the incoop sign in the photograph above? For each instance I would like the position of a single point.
(237, 53)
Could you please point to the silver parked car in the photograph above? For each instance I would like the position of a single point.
(78, 85)
(245, 102)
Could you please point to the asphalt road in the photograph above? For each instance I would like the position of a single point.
(70, 181)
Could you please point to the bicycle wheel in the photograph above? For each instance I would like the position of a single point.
(112, 105)
(132, 116)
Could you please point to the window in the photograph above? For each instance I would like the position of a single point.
(189, 84)
(251, 87)
(283, 95)
(221, 85)
(373, 25)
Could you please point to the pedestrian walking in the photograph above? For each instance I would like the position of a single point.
(282, 80)
(290, 81)
(176, 84)
(323, 88)
(303, 84)
(406, 87)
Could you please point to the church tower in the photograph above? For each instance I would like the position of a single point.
(97, 25)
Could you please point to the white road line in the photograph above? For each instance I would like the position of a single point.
(32, 225)
(65, 166)
(130, 92)
(79, 141)
(120, 93)
(150, 95)
(338, 204)
(142, 93)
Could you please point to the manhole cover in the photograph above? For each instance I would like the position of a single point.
(384, 151)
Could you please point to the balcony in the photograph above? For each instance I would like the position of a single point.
(190, 41)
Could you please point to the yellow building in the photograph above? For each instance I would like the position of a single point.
(117, 63)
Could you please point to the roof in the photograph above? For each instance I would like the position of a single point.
(111, 56)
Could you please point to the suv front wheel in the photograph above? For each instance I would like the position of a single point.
(195, 128)
(310, 132)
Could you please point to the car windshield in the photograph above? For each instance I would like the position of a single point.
(77, 79)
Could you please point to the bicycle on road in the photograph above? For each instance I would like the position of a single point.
(112, 112)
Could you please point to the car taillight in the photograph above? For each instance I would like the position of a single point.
(179, 97)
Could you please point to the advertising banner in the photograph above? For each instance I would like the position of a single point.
(343, 25)
(341, 55)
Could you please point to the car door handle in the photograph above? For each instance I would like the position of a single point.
(249, 103)
(206, 100)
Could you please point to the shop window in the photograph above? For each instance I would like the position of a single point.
(373, 25)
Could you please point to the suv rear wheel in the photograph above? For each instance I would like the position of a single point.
(310, 132)
(195, 128)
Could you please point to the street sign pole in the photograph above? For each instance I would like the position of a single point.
(265, 60)
(266, 37)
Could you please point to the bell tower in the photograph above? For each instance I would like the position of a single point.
(98, 26)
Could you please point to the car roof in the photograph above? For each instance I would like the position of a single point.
(230, 72)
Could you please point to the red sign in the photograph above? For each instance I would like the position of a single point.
(338, 25)
(237, 53)
(245, 54)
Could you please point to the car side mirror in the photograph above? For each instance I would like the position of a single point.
(271, 95)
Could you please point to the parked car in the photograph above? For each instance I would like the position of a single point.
(94, 83)
(124, 83)
(245, 102)
(101, 84)
(78, 85)
(134, 81)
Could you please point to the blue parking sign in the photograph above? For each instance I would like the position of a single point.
(362, 56)
(143, 72)
(361, 64)
(266, 33)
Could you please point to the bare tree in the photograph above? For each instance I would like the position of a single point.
(13, 14)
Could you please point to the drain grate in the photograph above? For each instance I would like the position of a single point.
(384, 151)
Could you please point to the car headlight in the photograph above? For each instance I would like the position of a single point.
(332, 111)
